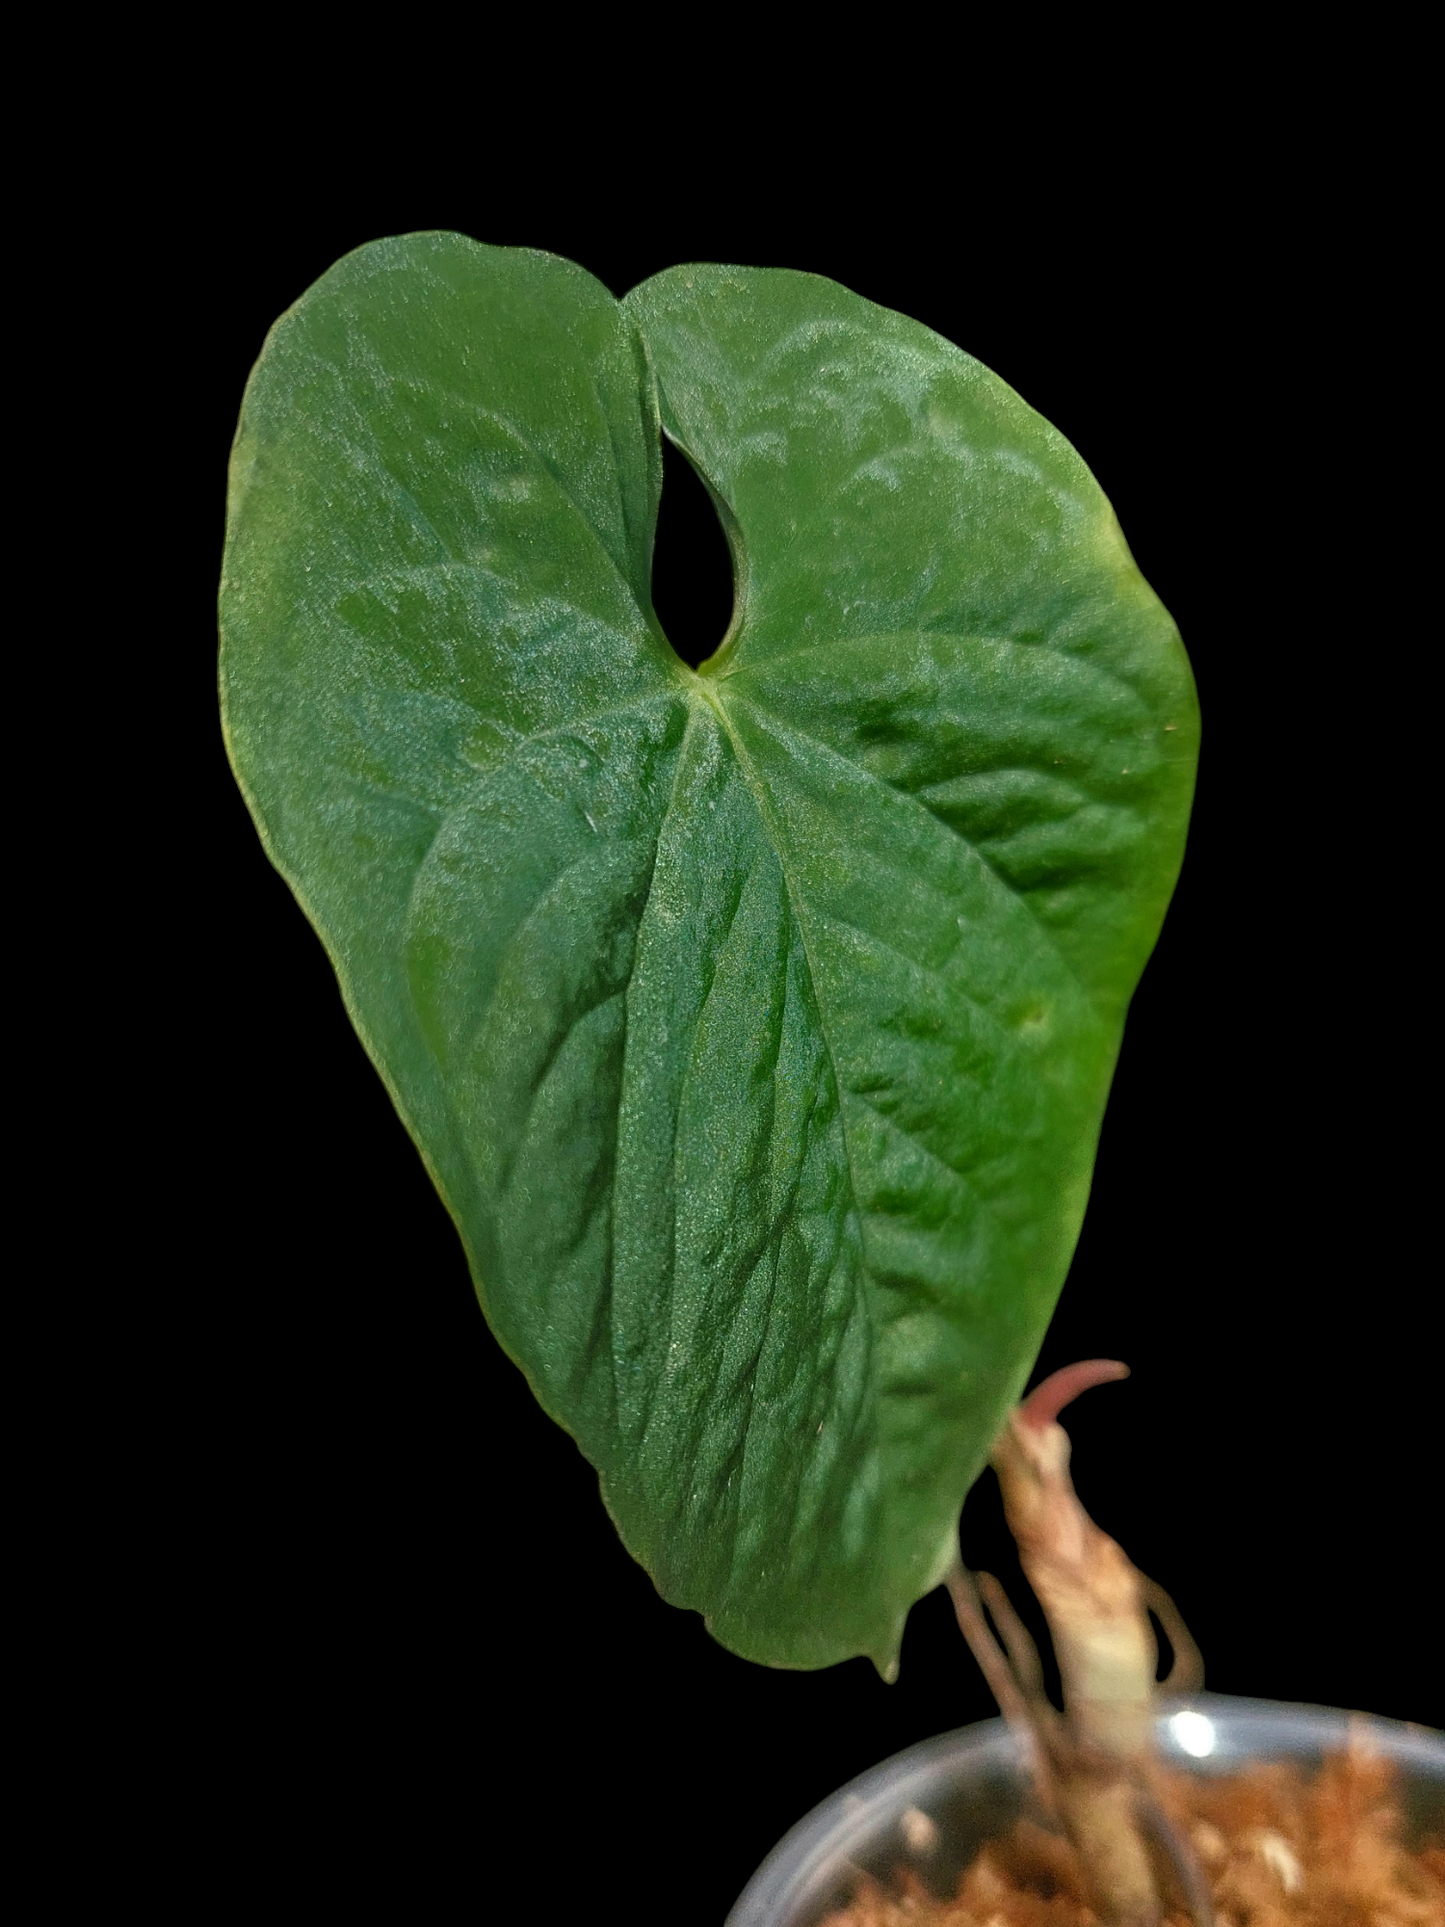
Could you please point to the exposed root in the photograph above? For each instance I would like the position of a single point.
(1186, 1675)
(1013, 1692)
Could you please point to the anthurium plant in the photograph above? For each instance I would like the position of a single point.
(755, 1021)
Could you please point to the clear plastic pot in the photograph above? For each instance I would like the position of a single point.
(935, 1805)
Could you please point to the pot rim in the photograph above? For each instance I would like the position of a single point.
(1240, 1728)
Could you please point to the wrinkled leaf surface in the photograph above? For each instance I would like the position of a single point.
(756, 1024)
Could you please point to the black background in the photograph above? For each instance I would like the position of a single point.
(408, 1654)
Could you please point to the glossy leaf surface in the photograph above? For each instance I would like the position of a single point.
(756, 1023)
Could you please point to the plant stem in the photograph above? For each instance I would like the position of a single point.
(1094, 1765)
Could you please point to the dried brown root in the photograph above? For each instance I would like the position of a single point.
(1094, 1765)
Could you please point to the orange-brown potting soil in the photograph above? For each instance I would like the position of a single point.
(1279, 1848)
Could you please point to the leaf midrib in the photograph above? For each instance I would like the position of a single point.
(713, 697)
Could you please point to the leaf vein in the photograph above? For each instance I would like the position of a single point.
(880, 782)
(758, 789)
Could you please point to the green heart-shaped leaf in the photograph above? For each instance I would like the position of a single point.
(756, 1024)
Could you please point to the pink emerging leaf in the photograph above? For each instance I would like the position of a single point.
(1061, 1388)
